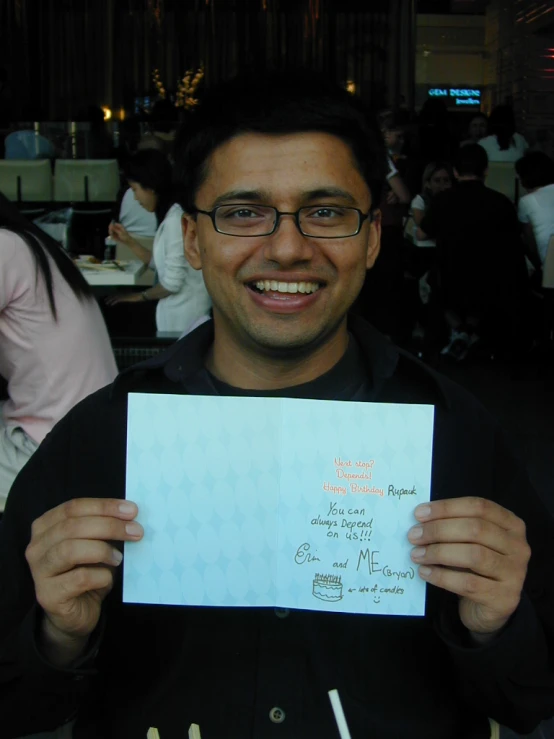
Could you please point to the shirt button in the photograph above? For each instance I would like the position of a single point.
(277, 715)
(282, 612)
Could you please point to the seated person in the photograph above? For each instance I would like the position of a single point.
(480, 258)
(279, 197)
(28, 145)
(536, 209)
(180, 290)
(54, 347)
(477, 129)
(134, 217)
(437, 177)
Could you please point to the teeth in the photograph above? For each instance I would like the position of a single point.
(288, 287)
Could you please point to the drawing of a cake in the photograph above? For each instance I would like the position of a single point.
(327, 587)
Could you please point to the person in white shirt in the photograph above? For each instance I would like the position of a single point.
(180, 291)
(503, 144)
(135, 218)
(436, 178)
(536, 209)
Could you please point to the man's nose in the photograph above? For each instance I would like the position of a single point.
(287, 245)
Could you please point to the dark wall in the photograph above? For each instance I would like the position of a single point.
(61, 55)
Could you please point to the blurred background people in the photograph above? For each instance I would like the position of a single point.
(480, 259)
(503, 144)
(180, 291)
(54, 346)
(536, 208)
(477, 129)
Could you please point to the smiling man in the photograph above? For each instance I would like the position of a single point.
(281, 177)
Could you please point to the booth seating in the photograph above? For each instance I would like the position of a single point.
(28, 183)
(86, 180)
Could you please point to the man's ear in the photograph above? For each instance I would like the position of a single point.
(374, 240)
(190, 241)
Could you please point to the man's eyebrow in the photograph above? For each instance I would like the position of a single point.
(244, 196)
(329, 192)
(258, 196)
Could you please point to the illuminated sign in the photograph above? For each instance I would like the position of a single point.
(459, 97)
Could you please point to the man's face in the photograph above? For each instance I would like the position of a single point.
(322, 277)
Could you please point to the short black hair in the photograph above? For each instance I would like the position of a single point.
(277, 103)
(535, 169)
(152, 170)
(471, 160)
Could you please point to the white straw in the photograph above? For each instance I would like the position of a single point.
(339, 714)
(194, 732)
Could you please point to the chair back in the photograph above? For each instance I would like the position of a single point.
(501, 176)
(548, 266)
(26, 181)
(86, 180)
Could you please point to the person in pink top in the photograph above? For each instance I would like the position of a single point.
(54, 345)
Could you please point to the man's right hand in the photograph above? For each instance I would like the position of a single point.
(72, 559)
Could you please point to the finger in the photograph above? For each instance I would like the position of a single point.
(474, 557)
(71, 553)
(477, 589)
(81, 507)
(470, 507)
(64, 588)
(102, 528)
(466, 531)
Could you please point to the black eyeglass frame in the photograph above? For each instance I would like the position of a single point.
(362, 217)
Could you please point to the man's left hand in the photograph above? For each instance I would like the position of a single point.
(476, 549)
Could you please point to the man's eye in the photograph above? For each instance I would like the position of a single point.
(325, 213)
(240, 214)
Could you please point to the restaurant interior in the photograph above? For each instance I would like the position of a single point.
(86, 86)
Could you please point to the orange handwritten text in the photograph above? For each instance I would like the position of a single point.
(365, 490)
(335, 489)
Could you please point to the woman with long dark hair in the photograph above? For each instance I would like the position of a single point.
(54, 346)
(503, 144)
(181, 294)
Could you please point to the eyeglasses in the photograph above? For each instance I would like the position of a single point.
(317, 221)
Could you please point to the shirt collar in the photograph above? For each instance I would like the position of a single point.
(184, 359)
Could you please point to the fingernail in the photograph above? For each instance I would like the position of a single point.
(116, 557)
(422, 511)
(424, 571)
(418, 553)
(133, 529)
(416, 532)
(126, 507)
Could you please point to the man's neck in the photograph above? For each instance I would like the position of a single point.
(249, 369)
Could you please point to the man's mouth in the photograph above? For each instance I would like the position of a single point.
(274, 286)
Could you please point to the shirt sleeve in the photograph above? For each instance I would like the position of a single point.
(34, 695)
(13, 268)
(418, 203)
(512, 677)
(173, 274)
(523, 210)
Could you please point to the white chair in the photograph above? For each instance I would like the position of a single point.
(26, 181)
(86, 180)
(501, 176)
